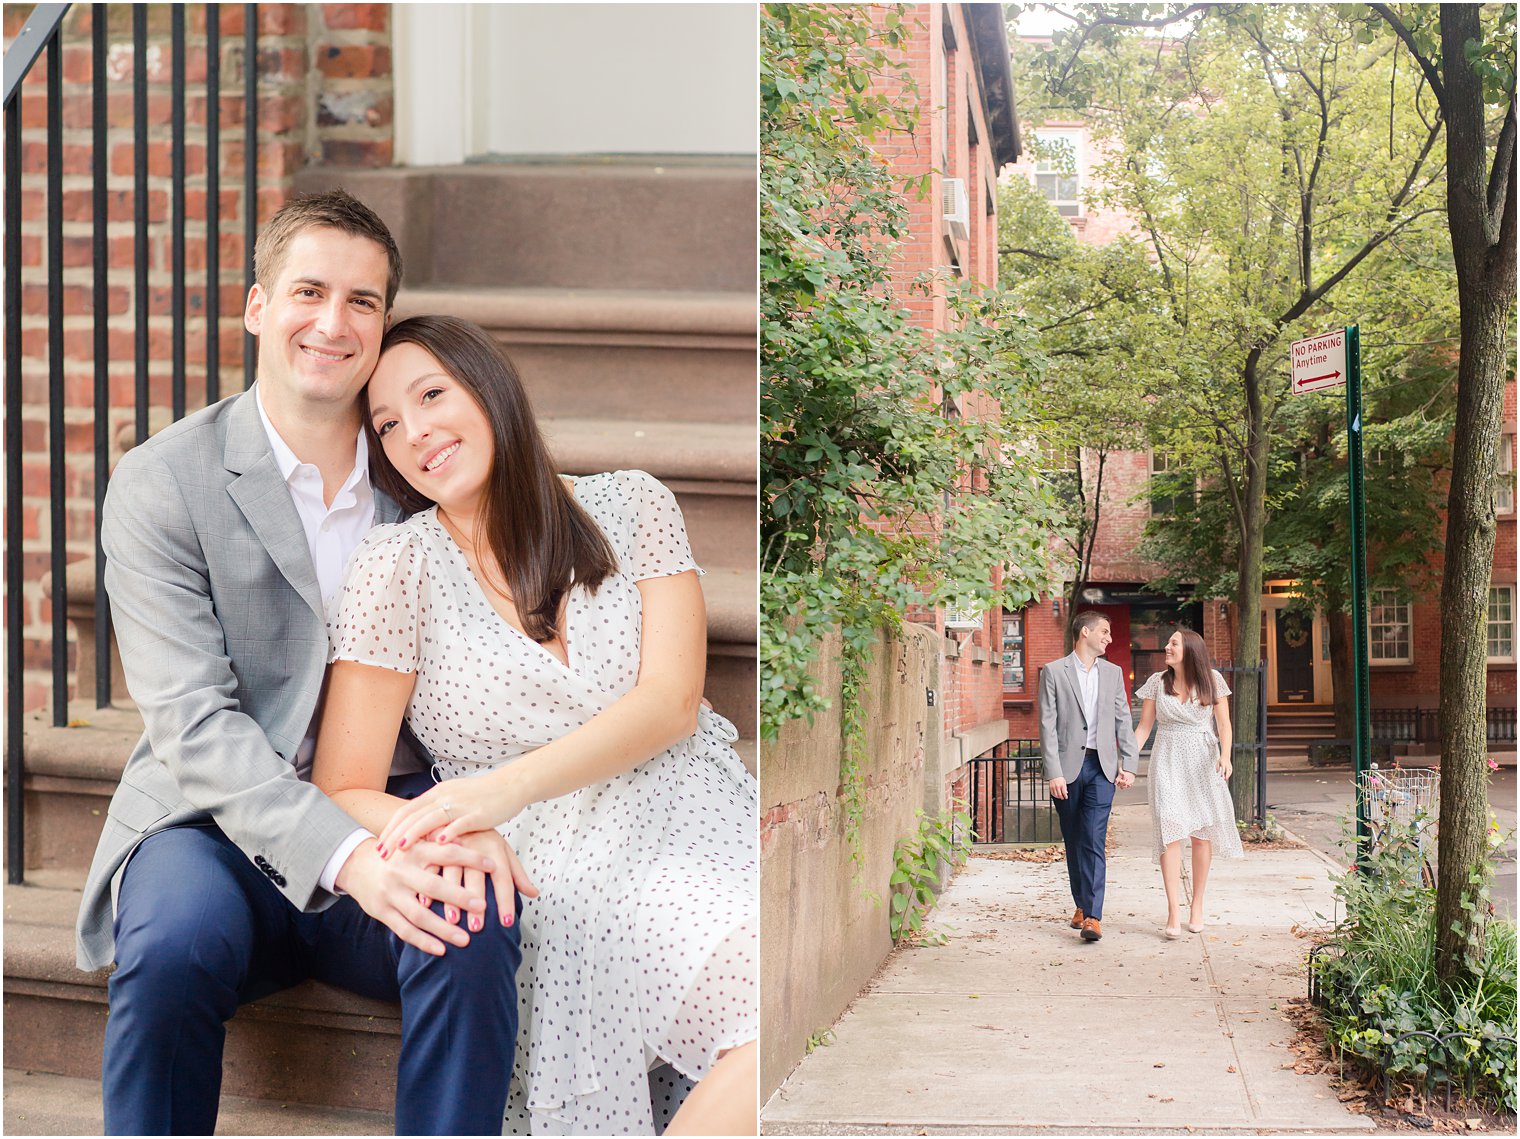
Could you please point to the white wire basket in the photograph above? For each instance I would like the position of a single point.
(1410, 796)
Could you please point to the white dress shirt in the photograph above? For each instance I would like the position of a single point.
(1087, 680)
(332, 534)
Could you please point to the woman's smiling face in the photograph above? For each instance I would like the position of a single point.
(432, 429)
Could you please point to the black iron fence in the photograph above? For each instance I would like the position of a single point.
(1238, 676)
(1010, 797)
(1423, 725)
(44, 33)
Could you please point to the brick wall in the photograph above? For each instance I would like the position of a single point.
(324, 96)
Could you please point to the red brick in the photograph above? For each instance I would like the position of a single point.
(363, 17)
(354, 61)
(357, 152)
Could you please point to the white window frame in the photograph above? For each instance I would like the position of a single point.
(1382, 604)
(1045, 169)
(1167, 458)
(1504, 492)
(1498, 619)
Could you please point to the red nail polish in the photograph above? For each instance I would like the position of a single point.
(401, 845)
(506, 919)
(474, 924)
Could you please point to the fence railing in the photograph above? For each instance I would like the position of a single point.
(1423, 725)
(1236, 676)
(44, 34)
(1010, 798)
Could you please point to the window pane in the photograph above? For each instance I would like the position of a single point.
(1501, 623)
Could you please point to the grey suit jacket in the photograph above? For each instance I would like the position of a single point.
(217, 610)
(1063, 721)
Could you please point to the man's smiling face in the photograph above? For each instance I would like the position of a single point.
(321, 322)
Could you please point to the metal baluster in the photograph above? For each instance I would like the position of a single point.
(98, 22)
(250, 168)
(140, 209)
(213, 304)
(59, 515)
(15, 671)
(177, 189)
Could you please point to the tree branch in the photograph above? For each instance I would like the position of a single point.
(1432, 76)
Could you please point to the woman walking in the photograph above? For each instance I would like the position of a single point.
(1188, 704)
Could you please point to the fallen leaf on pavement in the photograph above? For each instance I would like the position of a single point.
(1231, 1068)
(1158, 1064)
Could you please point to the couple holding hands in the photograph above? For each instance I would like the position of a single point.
(423, 720)
(1091, 748)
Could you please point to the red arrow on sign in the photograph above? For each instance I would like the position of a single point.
(1327, 376)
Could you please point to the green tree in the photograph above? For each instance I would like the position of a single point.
(1466, 53)
(1260, 152)
(885, 487)
(1094, 309)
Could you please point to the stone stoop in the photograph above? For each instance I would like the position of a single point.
(1292, 727)
(313, 1044)
(37, 1103)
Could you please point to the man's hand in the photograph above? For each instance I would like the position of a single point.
(1126, 779)
(389, 890)
(1058, 788)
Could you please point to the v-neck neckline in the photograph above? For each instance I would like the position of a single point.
(568, 664)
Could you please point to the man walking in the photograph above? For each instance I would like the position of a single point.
(1088, 741)
(222, 874)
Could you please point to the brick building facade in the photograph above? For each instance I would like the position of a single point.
(324, 85)
(957, 59)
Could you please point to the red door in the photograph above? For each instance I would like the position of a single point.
(1119, 649)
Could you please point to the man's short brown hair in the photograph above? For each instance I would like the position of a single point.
(1084, 620)
(334, 209)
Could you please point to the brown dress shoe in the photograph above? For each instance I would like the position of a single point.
(1076, 918)
(1092, 929)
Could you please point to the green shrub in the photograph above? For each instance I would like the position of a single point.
(1382, 1001)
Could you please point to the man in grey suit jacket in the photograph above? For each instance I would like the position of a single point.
(222, 874)
(1088, 741)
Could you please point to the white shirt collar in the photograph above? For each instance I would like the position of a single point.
(289, 463)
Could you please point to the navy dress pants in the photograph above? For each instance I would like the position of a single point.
(200, 930)
(1084, 825)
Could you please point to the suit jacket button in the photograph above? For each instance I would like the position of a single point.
(258, 860)
(279, 880)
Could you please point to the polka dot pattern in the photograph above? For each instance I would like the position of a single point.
(640, 958)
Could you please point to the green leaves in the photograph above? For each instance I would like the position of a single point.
(921, 864)
(864, 447)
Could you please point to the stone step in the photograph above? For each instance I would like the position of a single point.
(37, 1103)
(313, 1044)
(732, 617)
(72, 772)
(625, 354)
(710, 468)
(568, 223)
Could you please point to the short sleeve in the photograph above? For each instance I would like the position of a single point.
(657, 545)
(1150, 689)
(1221, 689)
(377, 616)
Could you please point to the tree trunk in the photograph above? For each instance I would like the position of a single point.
(1248, 591)
(1483, 246)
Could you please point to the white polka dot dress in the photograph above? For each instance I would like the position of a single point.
(642, 947)
(1189, 798)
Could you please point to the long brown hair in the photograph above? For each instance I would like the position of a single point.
(540, 537)
(1197, 668)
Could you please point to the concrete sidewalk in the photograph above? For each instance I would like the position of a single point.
(1016, 1026)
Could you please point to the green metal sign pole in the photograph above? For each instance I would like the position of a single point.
(1362, 705)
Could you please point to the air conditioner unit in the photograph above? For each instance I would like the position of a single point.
(959, 618)
(956, 207)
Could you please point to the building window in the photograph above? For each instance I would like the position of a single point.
(1163, 489)
(1388, 628)
(1501, 623)
(1059, 467)
(1504, 493)
(1013, 652)
(1056, 173)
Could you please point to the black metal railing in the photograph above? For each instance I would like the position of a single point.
(1010, 797)
(1256, 675)
(44, 32)
(1423, 725)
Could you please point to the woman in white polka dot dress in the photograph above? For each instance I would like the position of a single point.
(545, 640)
